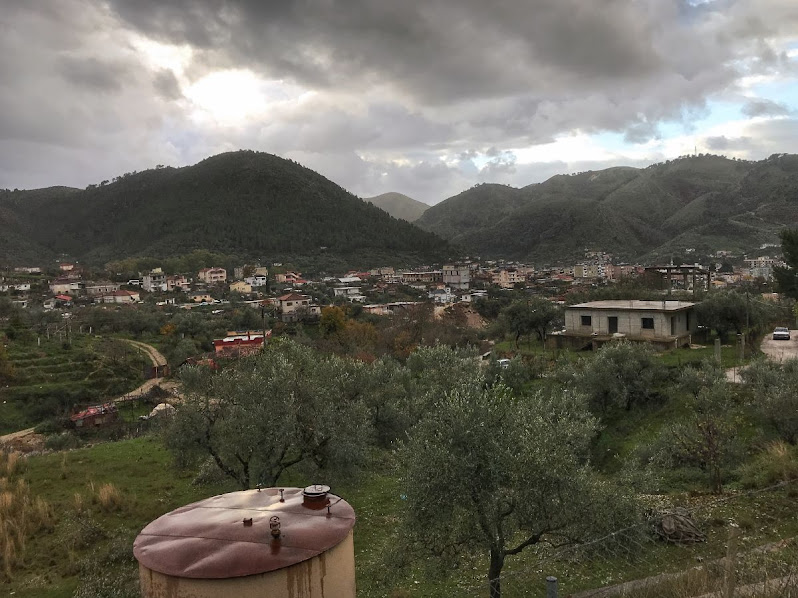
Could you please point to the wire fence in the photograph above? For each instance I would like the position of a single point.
(745, 546)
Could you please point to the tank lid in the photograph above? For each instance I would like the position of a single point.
(244, 533)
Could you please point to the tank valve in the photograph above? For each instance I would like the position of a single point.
(274, 525)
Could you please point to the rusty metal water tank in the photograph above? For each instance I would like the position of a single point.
(269, 543)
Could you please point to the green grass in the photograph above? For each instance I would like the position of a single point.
(142, 471)
(49, 378)
(729, 356)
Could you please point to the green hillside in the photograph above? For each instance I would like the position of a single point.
(704, 202)
(399, 206)
(242, 203)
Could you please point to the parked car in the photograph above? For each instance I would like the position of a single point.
(781, 334)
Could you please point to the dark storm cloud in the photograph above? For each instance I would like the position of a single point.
(437, 51)
(166, 84)
(92, 73)
(764, 107)
(77, 105)
(760, 139)
(408, 95)
(641, 132)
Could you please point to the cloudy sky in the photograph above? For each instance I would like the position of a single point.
(424, 97)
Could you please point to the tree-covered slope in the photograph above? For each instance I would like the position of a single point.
(399, 205)
(243, 203)
(471, 211)
(703, 202)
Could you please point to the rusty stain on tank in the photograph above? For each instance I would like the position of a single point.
(206, 540)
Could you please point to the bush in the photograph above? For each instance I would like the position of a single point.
(62, 442)
(777, 463)
(209, 474)
(109, 497)
(52, 425)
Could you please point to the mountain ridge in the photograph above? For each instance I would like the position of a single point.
(399, 205)
(243, 203)
(703, 203)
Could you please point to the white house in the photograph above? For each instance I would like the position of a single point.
(154, 280)
(456, 276)
(667, 324)
(258, 280)
(352, 294)
(120, 297)
(443, 295)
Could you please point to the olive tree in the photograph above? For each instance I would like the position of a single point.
(270, 412)
(707, 436)
(491, 472)
(620, 375)
(399, 395)
(787, 276)
(535, 315)
(773, 395)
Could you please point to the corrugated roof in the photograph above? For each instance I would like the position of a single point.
(211, 539)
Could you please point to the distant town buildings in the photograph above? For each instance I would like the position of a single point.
(154, 281)
(212, 275)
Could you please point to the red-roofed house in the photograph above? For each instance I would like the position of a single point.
(289, 278)
(239, 344)
(98, 415)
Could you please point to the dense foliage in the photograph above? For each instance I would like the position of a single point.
(787, 277)
(704, 203)
(245, 203)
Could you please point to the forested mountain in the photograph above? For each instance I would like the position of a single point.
(399, 205)
(702, 202)
(241, 203)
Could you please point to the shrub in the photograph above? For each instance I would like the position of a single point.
(777, 463)
(21, 516)
(10, 463)
(62, 441)
(109, 497)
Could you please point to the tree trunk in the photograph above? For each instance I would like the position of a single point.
(495, 572)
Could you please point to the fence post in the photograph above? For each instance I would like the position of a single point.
(717, 350)
(551, 587)
(729, 578)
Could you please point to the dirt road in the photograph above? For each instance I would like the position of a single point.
(156, 358)
(775, 350)
(781, 350)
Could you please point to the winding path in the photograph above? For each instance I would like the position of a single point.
(157, 359)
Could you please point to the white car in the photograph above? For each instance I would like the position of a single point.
(781, 334)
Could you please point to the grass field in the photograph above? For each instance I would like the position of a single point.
(92, 534)
(51, 376)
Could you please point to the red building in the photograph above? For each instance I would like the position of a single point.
(239, 344)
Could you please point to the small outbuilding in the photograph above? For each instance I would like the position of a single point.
(665, 324)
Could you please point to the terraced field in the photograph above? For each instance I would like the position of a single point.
(51, 378)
